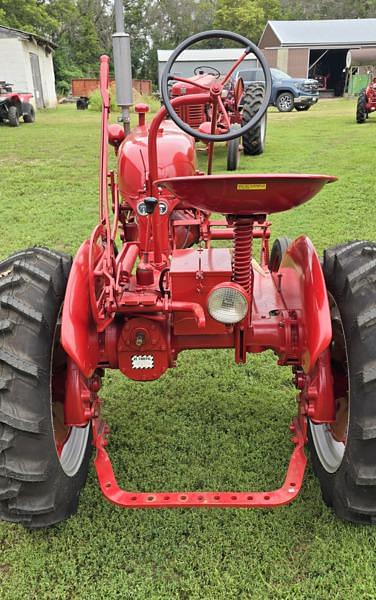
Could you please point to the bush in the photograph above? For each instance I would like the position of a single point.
(96, 101)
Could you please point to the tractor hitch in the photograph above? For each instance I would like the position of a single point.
(130, 499)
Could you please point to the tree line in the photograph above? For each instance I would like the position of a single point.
(82, 29)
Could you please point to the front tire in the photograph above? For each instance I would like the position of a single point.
(43, 463)
(13, 117)
(344, 454)
(254, 139)
(233, 153)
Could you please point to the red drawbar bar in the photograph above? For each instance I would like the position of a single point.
(284, 495)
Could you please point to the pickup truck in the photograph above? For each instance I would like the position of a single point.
(287, 92)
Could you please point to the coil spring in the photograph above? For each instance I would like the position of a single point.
(242, 258)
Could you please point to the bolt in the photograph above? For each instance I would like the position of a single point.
(140, 339)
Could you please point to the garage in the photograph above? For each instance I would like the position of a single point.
(317, 49)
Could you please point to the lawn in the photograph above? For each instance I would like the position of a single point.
(206, 424)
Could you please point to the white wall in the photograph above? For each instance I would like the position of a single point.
(46, 71)
(12, 64)
(15, 67)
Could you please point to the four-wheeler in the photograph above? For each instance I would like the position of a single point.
(232, 114)
(134, 305)
(366, 102)
(287, 92)
(14, 105)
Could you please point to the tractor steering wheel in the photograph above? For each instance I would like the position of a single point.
(215, 89)
(207, 71)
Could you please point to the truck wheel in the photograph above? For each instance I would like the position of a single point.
(285, 102)
(254, 139)
(361, 107)
(13, 117)
(233, 152)
(344, 453)
(28, 112)
(278, 250)
(43, 463)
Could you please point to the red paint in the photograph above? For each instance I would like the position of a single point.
(270, 499)
(233, 194)
(138, 316)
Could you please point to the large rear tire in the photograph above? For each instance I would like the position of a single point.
(361, 107)
(344, 453)
(43, 463)
(254, 139)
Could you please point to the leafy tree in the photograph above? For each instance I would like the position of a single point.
(31, 16)
(247, 17)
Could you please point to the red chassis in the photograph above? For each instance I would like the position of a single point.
(159, 288)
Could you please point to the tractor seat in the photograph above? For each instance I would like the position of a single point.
(245, 194)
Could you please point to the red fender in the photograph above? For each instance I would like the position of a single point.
(303, 285)
(78, 331)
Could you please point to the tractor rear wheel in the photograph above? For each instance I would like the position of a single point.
(13, 117)
(361, 107)
(344, 453)
(43, 463)
(254, 139)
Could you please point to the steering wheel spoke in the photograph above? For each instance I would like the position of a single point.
(173, 77)
(216, 88)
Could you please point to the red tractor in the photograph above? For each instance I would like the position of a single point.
(14, 105)
(135, 306)
(236, 108)
(366, 102)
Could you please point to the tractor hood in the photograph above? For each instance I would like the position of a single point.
(176, 157)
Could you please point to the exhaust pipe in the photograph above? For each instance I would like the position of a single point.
(123, 69)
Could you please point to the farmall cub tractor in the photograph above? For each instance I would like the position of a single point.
(165, 289)
(366, 101)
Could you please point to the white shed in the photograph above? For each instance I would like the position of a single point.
(26, 62)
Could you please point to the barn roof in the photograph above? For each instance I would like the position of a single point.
(204, 56)
(334, 32)
(10, 32)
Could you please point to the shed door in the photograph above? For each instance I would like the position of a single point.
(37, 80)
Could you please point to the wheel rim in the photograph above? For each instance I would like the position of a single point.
(330, 440)
(285, 102)
(70, 442)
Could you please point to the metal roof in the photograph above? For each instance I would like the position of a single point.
(204, 56)
(26, 35)
(334, 32)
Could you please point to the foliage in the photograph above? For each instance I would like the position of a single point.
(82, 29)
(247, 17)
(209, 423)
(95, 100)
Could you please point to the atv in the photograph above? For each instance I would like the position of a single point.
(14, 105)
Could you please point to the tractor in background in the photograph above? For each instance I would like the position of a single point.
(237, 106)
(149, 283)
(366, 102)
(14, 105)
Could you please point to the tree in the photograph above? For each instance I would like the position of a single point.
(247, 17)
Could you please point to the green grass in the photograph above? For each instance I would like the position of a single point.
(207, 424)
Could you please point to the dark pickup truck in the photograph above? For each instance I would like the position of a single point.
(287, 92)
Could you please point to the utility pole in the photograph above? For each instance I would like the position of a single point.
(123, 70)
